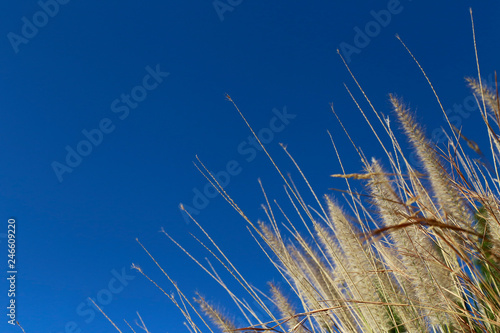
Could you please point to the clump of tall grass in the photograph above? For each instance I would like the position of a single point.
(422, 254)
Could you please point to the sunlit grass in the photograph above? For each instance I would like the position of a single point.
(419, 251)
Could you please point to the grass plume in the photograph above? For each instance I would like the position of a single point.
(418, 252)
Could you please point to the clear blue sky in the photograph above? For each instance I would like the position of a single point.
(91, 79)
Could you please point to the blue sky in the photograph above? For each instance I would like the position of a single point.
(133, 91)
